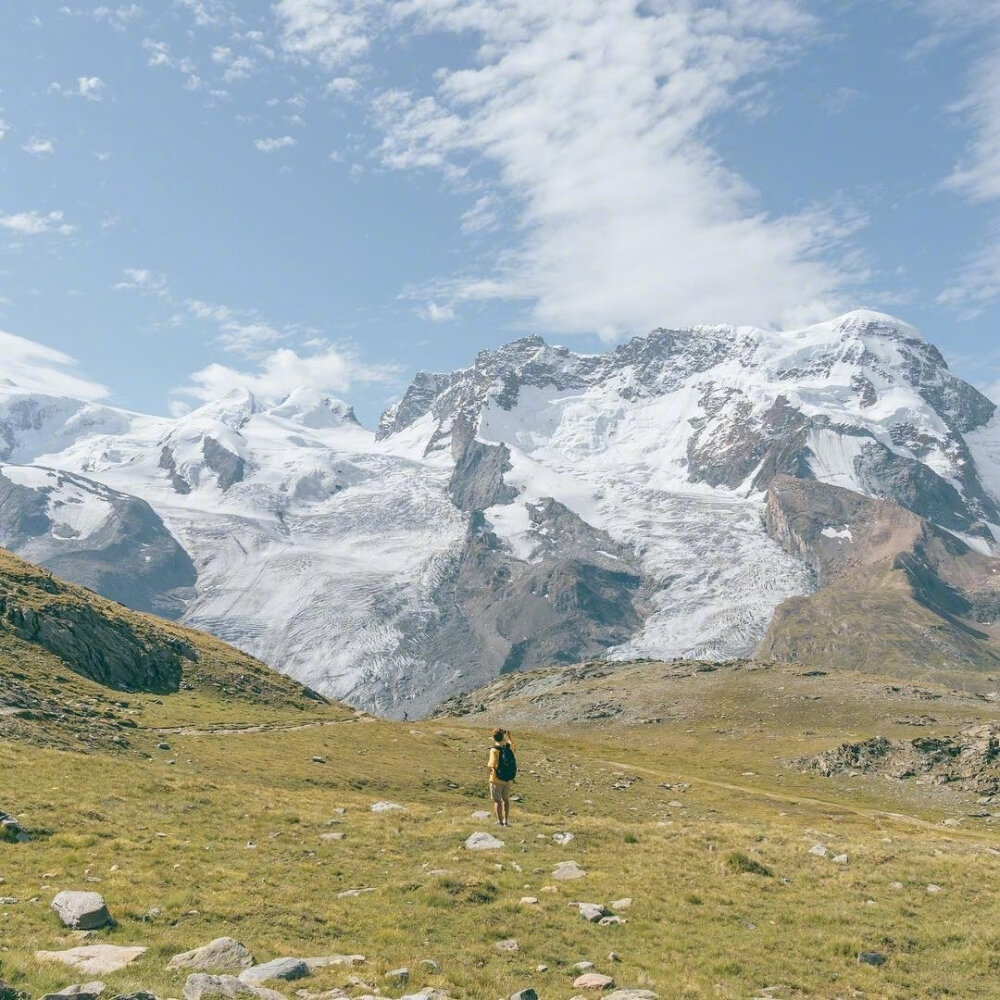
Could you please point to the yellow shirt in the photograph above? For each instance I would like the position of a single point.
(495, 761)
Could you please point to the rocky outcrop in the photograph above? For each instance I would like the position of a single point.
(108, 650)
(969, 760)
(229, 469)
(477, 480)
(224, 954)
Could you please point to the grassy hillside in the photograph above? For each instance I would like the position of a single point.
(72, 664)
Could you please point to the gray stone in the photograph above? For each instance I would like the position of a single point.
(430, 965)
(324, 961)
(527, 994)
(382, 807)
(401, 975)
(483, 842)
(622, 904)
(567, 870)
(81, 991)
(224, 954)
(83, 911)
(201, 985)
(593, 981)
(507, 945)
(633, 995)
(819, 850)
(94, 959)
(871, 958)
(279, 968)
(591, 911)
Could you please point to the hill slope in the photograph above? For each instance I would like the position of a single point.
(70, 661)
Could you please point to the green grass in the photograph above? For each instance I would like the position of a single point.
(176, 838)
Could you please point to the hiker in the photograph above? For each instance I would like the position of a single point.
(503, 770)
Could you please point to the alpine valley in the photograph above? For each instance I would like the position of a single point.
(824, 495)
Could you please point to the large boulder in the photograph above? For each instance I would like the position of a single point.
(83, 911)
(483, 842)
(224, 954)
(80, 991)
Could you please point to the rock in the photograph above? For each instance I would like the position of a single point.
(528, 994)
(562, 838)
(593, 981)
(840, 859)
(566, 870)
(279, 968)
(430, 965)
(633, 995)
(582, 967)
(11, 831)
(591, 911)
(224, 954)
(140, 995)
(324, 961)
(483, 842)
(896, 885)
(162, 746)
(611, 921)
(622, 904)
(94, 959)
(319, 760)
(82, 991)
(613, 956)
(332, 836)
(83, 911)
(508, 945)
(819, 851)
(201, 985)
(481, 814)
(529, 900)
(383, 807)
(349, 893)
(398, 975)
(871, 958)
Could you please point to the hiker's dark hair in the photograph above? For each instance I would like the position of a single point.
(499, 735)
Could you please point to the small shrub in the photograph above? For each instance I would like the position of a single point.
(631, 838)
(739, 863)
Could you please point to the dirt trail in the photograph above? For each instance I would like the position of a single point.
(793, 799)
(284, 727)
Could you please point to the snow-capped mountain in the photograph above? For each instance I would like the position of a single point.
(540, 506)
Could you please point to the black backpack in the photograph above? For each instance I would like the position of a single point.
(507, 764)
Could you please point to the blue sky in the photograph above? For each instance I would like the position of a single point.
(196, 194)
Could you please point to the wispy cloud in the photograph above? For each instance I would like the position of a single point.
(119, 17)
(977, 284)
(4, 129)
(589, 122)
(141, 279)
(36, 224)
(90, 87)
(37, 368)
(272, 145)
(39, 146)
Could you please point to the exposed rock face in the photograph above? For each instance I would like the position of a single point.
(95, 959)
(106, 540)
(107, 650)
(897, 592)
(969, 760)
(228, 468)
(477, 481)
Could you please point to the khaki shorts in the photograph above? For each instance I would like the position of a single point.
(500, 791)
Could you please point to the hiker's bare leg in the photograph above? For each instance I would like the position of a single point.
(498, 811)
(506, 806)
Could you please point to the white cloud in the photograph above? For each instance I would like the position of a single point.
(36, 223)
(37, 368)
(483, 216)
(977, 284)
(4, 128)
(141, 279)
(38, 146)
(159, 53)
(90, 87)
(436, 313)
(333, 32)
(978, 175)
(330, 369)
(272, 145)
(589, 119)
(118, 17)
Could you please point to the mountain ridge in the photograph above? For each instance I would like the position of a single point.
(399, 566)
